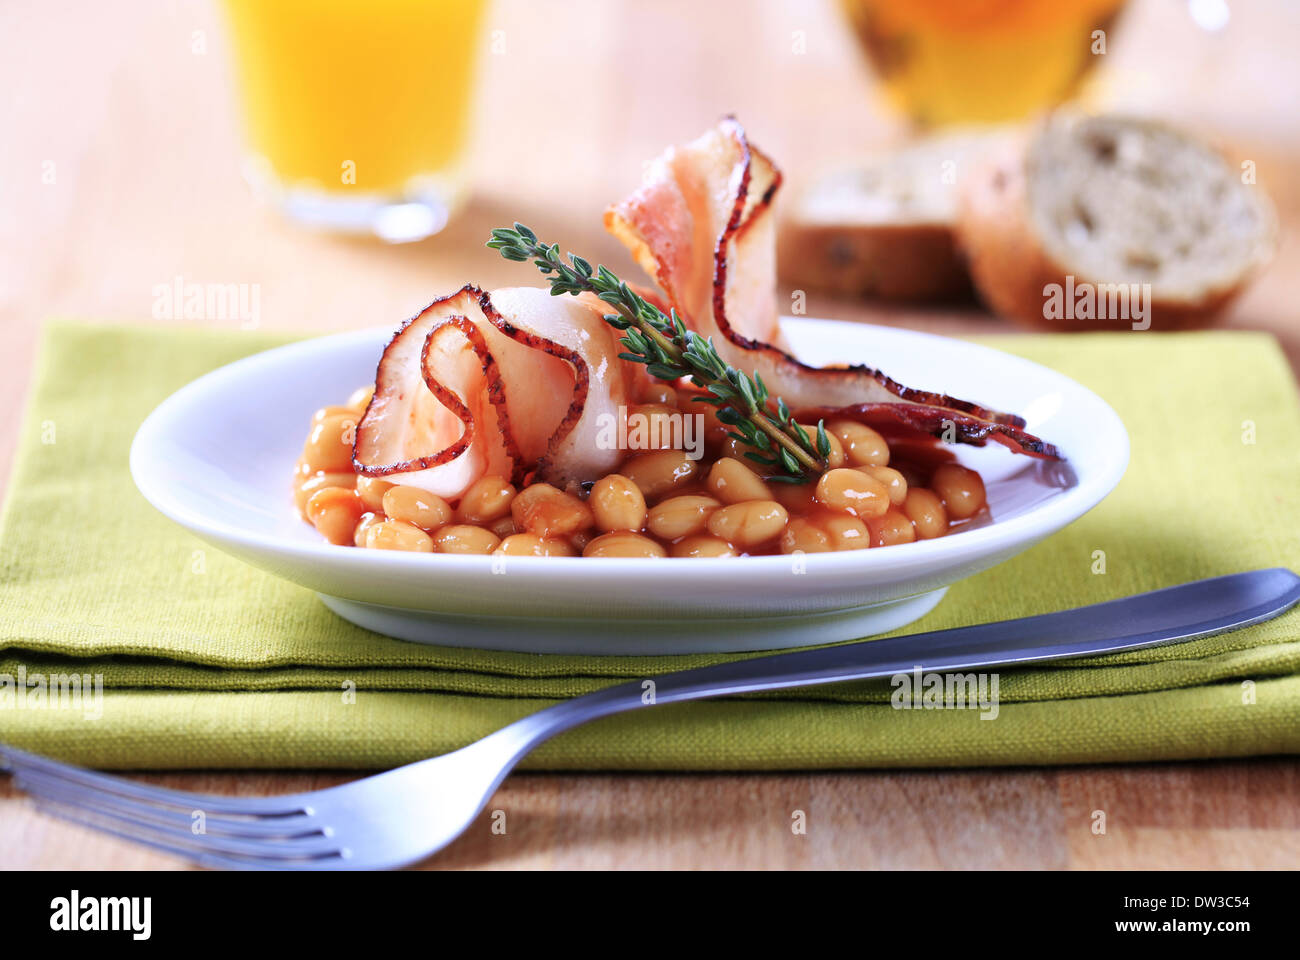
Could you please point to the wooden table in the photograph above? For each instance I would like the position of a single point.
(119, 171)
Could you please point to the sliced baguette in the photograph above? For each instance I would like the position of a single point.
(886, 227)
(1108, 201)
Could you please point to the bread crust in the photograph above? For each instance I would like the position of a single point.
(908, 262)
(1011, 269)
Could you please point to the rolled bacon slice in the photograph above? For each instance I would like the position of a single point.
(701, 226)
(511, 383)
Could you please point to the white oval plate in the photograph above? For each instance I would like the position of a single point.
(218, 456)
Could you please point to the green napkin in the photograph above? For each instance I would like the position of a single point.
(206, 662)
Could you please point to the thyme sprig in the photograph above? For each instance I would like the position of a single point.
(670, 352)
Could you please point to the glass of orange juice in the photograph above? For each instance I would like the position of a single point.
(357, 114)
(980, 61)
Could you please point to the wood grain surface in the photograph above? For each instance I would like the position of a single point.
(130, 108)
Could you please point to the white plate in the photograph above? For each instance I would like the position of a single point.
(217, 457)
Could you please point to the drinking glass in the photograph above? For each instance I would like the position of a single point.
(949, 62)
(357, 115)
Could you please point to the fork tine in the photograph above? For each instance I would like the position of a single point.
(194, 846)
(295, 830)
(200, 857)
(287, 827)
(212, 803)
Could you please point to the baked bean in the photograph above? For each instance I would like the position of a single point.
(617, 504)
(862, 445)
(894, 482)
(715, 431)
(335, 511)
(654, 426)
(555, 547)
(924, 508)
(334, 410)
(836, 458)
(750, 523)
(804, 536)
(681, 516)
(487, 499)
(368, 520)
(623, 543)
(529, 545)
(372, 490)
(732, 482)
(960, 489)
(543, 510)
(845, 532)
(703, 546)
(398, 535)
(329, 445)
(463, 538)
(660, 392)
(360, 398)
(687, 403)
(319, 481)
(661, 471)
(418, 507)
(736, 450)
(852, 492)
(892, 528)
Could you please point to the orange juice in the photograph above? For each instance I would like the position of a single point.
(975, 61)
(357, 98)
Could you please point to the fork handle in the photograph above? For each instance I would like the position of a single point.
(1197, 609)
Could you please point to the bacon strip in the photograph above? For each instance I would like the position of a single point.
(573, 328)
(701, 226)
(505, 384)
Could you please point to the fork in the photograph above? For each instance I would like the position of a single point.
(406, 814)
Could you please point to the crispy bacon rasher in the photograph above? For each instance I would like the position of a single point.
(508, 384)
(701, 226)
(517, 382)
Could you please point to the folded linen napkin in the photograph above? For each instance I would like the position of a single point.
(207, 663)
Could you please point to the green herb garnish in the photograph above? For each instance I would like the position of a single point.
(670, 352)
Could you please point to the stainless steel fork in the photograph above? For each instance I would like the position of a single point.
(404, 815)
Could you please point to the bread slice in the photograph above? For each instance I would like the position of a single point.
(885, 228)
(1111, 209)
